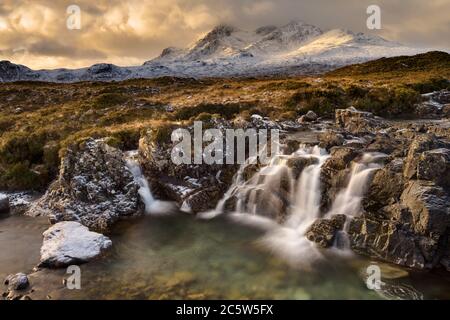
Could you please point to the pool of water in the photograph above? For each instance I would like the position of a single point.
(180, 257)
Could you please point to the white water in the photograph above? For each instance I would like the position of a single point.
(152, 206)
(258, 202)
(348, 201)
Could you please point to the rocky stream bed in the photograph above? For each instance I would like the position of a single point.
(343, 194)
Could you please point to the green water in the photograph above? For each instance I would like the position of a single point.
(180, 257)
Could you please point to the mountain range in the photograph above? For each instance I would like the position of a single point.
(293, 49)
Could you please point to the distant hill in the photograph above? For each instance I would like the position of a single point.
(437, 61)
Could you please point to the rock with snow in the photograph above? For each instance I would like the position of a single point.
(69, 242)
(94, 187)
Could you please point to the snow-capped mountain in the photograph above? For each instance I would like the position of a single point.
(295, 48)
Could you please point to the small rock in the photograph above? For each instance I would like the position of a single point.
(310, 116)
(17, 281)
(323, 231)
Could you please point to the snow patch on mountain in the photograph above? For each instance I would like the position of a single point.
(295, 48)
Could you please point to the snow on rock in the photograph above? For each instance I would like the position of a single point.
(69, 242)
(94, 187)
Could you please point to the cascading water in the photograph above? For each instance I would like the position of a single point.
(274, 191)
(307, 195)
(152, 206)
(348, 201)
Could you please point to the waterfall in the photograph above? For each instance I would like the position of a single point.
(152, 206)
(348, 201)
(274, 191)
(307, 195)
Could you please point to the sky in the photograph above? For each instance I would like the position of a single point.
(35, 32)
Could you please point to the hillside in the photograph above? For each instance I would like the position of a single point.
(434, 61)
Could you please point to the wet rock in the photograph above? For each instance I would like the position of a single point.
(310, 116)
(323, 231)
(357, 121)
(388, 241)
(386, 186)
(433, 104)
(4, 204)
(200, 201)
(298, 164)
(421, 143)
(94, 187)
(68, 243)
(388, 144)
(334, 173)
(187, 184)
(17, 281)
(329, 139)
(428, 205)
(434, 165)
(341, 157)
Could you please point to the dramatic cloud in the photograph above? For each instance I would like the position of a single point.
(34, 32)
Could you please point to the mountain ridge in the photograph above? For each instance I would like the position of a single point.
(226, 51)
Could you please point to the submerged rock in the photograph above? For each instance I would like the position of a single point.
(69, 242)
(94, 187)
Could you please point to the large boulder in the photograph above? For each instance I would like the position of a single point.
(386, 186)
(429, 207)
(434, 165)
(94, 187)
(421, 143)
(69, 242)
(388, 240)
